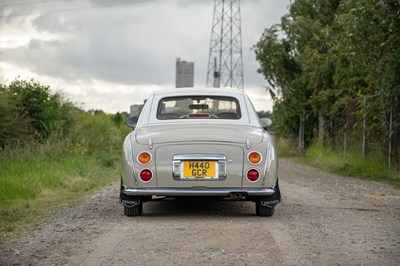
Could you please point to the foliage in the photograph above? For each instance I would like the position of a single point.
(39, 104)
(350, 164)
(119, 118)
(333, 64)
(264, 114)
(15, 123)
(33, 118)
(51, 152)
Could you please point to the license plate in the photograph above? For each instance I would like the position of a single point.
(199, 169)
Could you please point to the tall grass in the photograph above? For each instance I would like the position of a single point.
(285, 147)
(36, 177)
(28, 179)
(29, 189)
(350, 163)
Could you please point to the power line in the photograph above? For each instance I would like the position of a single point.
(130, 2)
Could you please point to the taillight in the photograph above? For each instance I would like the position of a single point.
(254, 157)
(146, 175)
(144, 157)
(253, 175)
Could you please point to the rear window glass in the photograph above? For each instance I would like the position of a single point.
(198, 107)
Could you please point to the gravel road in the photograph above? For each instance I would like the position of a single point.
(324, 219)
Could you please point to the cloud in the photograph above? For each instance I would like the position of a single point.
(126, 48)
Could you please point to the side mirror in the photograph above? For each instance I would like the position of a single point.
(131, 122)
(265, 123)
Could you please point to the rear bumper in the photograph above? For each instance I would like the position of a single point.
(212, 192)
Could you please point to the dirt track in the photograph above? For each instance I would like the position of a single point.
(324, 220)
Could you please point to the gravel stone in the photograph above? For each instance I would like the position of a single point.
(325, 219)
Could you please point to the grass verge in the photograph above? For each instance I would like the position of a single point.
(348, 164)
(30, 189)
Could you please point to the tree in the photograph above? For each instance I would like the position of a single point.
(369, 66)
(324, 59)
(286, 53)
(264, 114)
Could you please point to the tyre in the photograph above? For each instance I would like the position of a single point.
(264, 210)
(134, 210)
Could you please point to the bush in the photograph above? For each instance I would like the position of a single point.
(15, 123)
(51, 153)
(44, 108)
(36, 121)
(94, 133)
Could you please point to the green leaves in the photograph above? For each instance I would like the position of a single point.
(325, 56)
(32, 100)
(15, 124)
(34, 120)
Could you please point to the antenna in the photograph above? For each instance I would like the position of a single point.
(225, 61)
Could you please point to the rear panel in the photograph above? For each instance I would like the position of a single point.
(221, 155)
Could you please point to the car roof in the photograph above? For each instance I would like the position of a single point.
(199, 91)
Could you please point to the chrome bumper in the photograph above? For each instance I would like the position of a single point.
(212, 192)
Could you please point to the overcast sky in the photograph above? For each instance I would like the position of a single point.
(110, 54)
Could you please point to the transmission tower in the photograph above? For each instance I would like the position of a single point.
(225, 61)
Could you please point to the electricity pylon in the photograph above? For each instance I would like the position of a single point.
(225, 61)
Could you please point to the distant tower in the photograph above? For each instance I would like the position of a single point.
(184, 74)
(225, 61)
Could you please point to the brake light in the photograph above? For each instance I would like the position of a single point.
(253, 175)
(146, 175)
(144, 158)
(199, 116)
(254, 157)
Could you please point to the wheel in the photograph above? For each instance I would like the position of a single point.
(128, 201)
(264, 210)
(134, 210)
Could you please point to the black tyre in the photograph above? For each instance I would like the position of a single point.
(134, 210)
(264, 210)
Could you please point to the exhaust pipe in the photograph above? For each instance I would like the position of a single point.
(238, 195)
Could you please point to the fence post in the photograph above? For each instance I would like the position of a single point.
(300, 149)
(364, 128)
(321, 130)
(345, 139)
(390, 136)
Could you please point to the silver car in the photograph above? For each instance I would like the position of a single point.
(199, 143)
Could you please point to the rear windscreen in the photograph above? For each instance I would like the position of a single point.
(198, 107)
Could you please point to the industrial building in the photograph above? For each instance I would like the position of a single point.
(184, 74)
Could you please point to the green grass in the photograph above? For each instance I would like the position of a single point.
(51, 154)
(348, 164)
(286, 148)
(30, 189)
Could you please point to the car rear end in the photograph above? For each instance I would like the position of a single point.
(195, 152)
